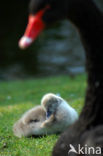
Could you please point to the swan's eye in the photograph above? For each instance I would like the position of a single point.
(35, 120)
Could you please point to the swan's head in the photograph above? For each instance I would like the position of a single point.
(46, 12)
(30, 123)
(41, 14)
(54, 9)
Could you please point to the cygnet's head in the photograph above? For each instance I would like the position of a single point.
(30, 123)
(50, 102)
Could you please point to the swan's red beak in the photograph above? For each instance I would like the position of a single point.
(34, 28)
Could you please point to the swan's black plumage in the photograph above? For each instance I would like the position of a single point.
(88, 19)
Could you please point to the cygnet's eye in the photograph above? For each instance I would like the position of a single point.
(35, 120)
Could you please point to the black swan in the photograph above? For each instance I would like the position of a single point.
(88, 20)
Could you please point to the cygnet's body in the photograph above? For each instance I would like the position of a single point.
(53, 116)
(30, 123)
(59, 114)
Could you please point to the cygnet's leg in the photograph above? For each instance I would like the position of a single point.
(49, 121)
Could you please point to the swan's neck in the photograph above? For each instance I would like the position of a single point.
(91, 31)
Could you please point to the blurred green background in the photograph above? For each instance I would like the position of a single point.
(57, 50)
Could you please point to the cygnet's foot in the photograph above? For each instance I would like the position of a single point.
(48, 122)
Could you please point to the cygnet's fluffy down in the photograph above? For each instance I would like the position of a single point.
(54, 115)
(59, 114)
(30, 123)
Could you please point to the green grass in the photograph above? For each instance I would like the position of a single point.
(18, 96)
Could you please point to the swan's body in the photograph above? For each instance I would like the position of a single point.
(88, 20)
